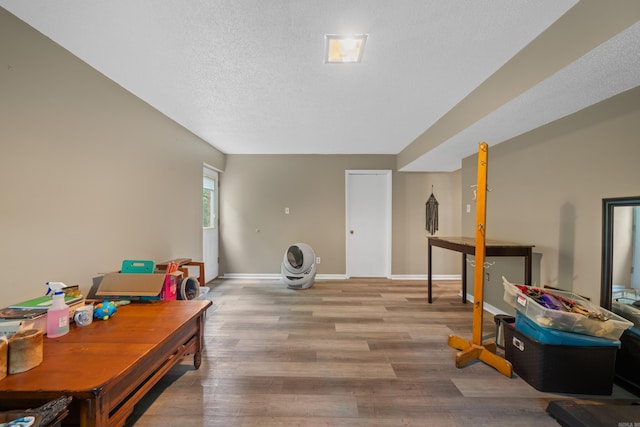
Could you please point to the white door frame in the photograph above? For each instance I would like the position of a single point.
(388, 226)
(211, 236)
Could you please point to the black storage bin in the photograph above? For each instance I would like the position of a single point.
(560, 368)
(628, 361)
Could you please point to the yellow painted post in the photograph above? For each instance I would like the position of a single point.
(474, 349)
(481, 217)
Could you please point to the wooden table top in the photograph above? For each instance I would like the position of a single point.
(89, 357)
(471, 241)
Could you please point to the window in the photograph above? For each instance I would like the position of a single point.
(209, 202)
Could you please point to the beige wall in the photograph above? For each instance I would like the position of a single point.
(90, 174)
(411, 192)
(255, 231)
(547, 190)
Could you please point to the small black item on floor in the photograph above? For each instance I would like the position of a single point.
(570, 413)
(560, 368)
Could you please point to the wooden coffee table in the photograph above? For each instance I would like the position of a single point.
(110, 365)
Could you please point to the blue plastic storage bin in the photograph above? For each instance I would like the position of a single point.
(555, 336)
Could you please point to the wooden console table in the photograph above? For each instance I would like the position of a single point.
(467, 246)
(108, 366)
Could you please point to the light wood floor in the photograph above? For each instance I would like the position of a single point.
(365, 352)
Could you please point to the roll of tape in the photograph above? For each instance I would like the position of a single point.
(83, 315)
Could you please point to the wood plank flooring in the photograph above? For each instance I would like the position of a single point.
(359, 352)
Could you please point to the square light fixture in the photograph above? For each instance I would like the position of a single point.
(341, 49)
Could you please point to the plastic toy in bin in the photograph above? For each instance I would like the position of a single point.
(104, 310)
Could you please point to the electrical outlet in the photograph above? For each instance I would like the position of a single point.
(318, 260)
(286, 211)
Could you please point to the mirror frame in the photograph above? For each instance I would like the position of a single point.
(608, 206)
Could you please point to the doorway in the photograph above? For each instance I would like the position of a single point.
(210, 198)
(368, 223)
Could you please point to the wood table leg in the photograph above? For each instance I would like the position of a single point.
(429, 275)
(200, 266)
(464, 278)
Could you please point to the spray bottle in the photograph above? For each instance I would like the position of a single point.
(58, 313)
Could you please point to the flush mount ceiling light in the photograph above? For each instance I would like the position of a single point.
(340, 49)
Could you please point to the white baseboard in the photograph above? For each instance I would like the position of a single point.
(331, 277)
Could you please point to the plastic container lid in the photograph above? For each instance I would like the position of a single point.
(554, 336)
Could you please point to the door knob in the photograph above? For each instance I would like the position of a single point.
(350, 231)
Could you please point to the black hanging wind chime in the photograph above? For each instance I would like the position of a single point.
(431, 208)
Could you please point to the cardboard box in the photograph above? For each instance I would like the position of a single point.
(149, 287)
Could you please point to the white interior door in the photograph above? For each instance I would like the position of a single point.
(368, 205)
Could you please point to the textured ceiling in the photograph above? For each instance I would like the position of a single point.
(249, 76)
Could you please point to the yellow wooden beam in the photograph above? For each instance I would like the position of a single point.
(474, 349)
(481, 216)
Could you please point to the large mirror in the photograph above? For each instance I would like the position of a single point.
(620, 291)
(620, 250)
